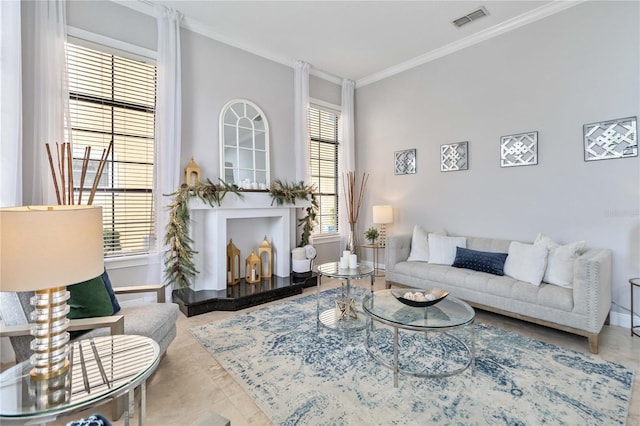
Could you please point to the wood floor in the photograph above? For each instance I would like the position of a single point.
(189, 382)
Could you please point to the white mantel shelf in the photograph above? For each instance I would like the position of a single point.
(210, 233)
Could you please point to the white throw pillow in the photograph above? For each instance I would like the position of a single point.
(560, 261)
(442, 250)
(526, 262)
(420, 244)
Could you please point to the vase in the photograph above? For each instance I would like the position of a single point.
(352, 240)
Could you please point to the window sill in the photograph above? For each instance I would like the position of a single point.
(325, 238)
(132, 261)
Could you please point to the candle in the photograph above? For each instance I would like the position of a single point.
(344, 262)
(353, 261)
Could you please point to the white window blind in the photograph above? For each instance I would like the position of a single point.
(112, 98)
(323, 157)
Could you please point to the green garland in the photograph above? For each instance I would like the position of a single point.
(282, 192)
(180, 269)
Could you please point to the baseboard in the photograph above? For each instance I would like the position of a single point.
(622, 319)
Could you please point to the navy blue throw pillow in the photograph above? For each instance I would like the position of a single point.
(482, 261)
(107, 284)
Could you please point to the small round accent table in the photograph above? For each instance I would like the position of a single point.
(342, 313)
(100, 368)
(634, 282)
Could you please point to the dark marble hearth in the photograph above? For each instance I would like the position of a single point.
(241, 295)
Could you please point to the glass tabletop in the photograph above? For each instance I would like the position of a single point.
(448, 313)
(333, 270)
(99, 368)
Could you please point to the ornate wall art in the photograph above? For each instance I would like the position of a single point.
(454, 157)
(519, 150)
(610, 139)
(405, 162)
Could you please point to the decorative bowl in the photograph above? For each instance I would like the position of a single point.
(436, 293)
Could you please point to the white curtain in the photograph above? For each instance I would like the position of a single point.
(301, 125)
(168, 116)
(10, 104)
(347, 154)
(48, 106)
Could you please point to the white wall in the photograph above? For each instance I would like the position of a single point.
(576, 67)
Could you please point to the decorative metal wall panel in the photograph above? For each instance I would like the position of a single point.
(405, 162)
(610, 139)
(454, 156)
(519, 150)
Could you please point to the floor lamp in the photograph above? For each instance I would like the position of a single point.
(383, 215)
(46, 248)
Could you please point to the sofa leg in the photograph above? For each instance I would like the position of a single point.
(607, 320)
(387, 285)
(593, 343)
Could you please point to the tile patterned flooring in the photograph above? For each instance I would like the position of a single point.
(189, 382)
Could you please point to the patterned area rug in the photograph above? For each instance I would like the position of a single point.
(298, 375)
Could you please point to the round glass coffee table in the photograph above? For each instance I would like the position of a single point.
(342, 314)
(424, 355)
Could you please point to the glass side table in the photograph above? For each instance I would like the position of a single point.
(101, 368)
(344, 313)
(376, 257)
(634, 282)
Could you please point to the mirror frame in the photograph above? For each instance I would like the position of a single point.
(236, 167)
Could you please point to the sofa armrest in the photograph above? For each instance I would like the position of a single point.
(398, 249)
(150, 288)
(592, 286)
(115, 323)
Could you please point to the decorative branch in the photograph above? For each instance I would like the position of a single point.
(354, 195)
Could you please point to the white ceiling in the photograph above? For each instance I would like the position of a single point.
(361, 40)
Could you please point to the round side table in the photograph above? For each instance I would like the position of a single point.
(634, 282)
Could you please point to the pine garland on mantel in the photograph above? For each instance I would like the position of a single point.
(179, 266)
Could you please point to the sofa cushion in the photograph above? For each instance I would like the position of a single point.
(526, 262)
(484, 261)
(89, 299)
(442, 250)
(560, 260)
(419, 245)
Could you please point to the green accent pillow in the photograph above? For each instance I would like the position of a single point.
(89, 299)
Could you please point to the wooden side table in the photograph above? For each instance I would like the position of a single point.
(375, 247)
(634, 282)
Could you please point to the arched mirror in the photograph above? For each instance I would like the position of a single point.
(244, 145)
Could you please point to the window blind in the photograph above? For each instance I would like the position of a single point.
(323, 157)
(112, 99)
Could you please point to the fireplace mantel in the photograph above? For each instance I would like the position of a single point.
(246, 220)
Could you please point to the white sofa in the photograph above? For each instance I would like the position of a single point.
(582, 309)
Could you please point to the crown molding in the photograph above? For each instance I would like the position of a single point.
(148, 8)
(488, 33)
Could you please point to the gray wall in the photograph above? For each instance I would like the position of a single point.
(578, 66)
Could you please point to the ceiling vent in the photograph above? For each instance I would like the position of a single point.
(472, 16)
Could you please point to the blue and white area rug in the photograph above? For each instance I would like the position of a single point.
(298, 375)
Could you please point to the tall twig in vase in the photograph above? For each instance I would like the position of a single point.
(353, 197)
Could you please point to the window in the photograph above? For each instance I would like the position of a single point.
(323, 156)
(112, 99)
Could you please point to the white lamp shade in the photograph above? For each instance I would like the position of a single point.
(43, 247)
(382, 214)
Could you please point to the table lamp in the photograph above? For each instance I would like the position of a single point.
(46, 248)
(382, 215)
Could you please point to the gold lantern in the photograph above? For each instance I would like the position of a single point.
(252, 269)
(233, 264)
(266, 257)
(192, 170)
